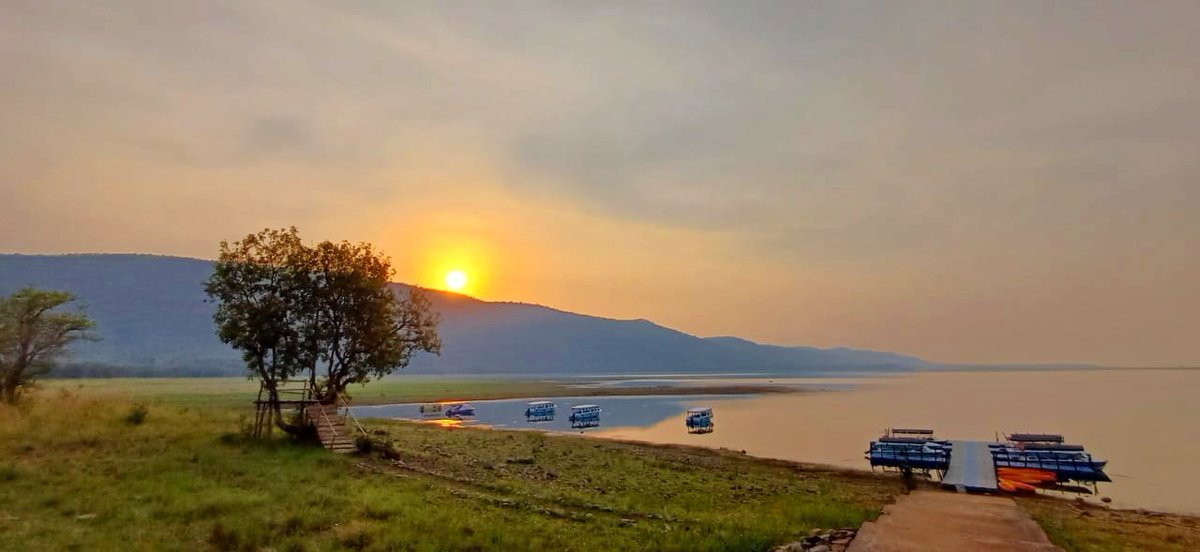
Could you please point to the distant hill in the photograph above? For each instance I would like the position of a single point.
(154, 318)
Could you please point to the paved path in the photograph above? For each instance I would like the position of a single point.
(971, 467)
(939, 520)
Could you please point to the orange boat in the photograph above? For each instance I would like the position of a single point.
(1011, 486)
(1031, 476)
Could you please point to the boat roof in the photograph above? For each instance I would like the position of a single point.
(1035, 437)
(1054, 446)
(583, 406)
(539, 403)
(903, 440)
(912, 431)
(699, 409)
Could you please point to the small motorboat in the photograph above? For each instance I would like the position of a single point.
(460, 409)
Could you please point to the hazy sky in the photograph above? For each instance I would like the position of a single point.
(963, 181)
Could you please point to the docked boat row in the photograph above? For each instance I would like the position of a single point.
(448, 410)
(1049, 453)
(1019, 462)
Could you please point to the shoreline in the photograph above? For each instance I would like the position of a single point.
(560, 390)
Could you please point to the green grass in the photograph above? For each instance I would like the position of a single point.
(80, 469)
(76, 474)
(1091, 528)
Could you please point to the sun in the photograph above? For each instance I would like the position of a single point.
(456, 280)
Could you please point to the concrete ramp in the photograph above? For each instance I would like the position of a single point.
(971, 467)
(935, 520)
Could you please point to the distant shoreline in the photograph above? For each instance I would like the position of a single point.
(646, 391)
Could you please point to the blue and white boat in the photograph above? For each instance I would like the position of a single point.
(460, 409)
(540, 411)
(699, 420)
(910, 449)
(585, 415)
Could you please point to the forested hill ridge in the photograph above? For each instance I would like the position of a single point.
(154, 318)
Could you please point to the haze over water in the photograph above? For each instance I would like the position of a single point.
(1142, 421)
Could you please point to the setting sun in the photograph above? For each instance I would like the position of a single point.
(456, 280)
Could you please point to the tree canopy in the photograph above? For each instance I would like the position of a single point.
(33, 335)
(325, 313)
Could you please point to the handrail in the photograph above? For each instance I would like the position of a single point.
(346, 404)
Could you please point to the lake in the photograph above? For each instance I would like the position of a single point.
(1143, 421)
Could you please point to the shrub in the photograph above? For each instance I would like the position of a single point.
(8, 472)
(365, 444)
(137, 414)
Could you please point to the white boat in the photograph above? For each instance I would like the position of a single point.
(540, 409)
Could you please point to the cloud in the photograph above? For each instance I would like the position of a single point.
(856, 149)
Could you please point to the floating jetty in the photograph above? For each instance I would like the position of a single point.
(1022, 462)
(971, 467)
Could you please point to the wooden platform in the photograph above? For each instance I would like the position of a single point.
(971, 467)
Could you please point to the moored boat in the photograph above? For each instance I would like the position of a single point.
(460, 409)
(538, 411)
(699, 420)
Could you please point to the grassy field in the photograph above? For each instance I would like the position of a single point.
(76, 474)
(1076, 526)
(237, 392)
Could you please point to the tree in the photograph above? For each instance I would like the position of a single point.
(263, 290)
(33, 335)
(363, 330)
(325, 313)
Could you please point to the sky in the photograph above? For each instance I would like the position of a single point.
(961, 181)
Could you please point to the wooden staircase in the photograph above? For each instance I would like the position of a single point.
(331, 427)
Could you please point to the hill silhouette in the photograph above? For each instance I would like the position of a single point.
(154, 318)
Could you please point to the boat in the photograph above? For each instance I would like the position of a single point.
(539, 411)
(585, 415)
(907, 435)
(1047, 452)
(431, 409)
(909, 449)
(1025, 438)
(460, 409)
(699, 420)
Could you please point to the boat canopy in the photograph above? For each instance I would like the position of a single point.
(1035, 438)
(1053, 446)
(912, 431)
(541, 403)
(699, 410)
(586, 407)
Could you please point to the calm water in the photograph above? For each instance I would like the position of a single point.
(1143, 421)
